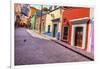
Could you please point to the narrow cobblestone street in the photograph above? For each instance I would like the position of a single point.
(37, 50)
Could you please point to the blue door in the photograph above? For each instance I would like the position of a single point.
(54, 30)
(48, 28)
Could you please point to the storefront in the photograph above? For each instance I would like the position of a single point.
(76, 27)
(80, 33)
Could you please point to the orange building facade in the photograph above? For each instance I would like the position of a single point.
(76, 27)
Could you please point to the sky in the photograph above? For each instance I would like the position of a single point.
(39, 6)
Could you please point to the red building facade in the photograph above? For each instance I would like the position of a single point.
(75, 26)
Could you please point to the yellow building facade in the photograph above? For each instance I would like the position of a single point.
(53, 23)
(32, 11)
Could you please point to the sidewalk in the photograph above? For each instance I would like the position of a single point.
(73, 48)
(36, 34)
(77, 50)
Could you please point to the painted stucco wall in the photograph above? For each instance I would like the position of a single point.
(60, 25)
(33, 21)
(43, 23)
(75, 13)
(40, 22)
(32, 11)
(48, 22)
(72, 14)
(37, 23)
(49, 19)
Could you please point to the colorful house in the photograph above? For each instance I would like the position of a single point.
(33, 21)
(33, 16)
(71, 25)
(76, 27)
(33, 11)
(40, 22)
(53, 23)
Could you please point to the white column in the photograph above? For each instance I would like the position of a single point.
(90, 30)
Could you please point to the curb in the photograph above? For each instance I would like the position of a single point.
(77, 50)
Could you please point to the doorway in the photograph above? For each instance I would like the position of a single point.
(78, 36)
(54, 30)
(65, 34)
(48, 28)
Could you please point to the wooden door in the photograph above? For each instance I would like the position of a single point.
(78, 36)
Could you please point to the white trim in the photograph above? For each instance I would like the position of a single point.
(79, 19)
(84, 34)
(90, 31)
(89, 39)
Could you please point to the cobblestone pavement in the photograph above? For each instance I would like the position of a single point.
(36, 50)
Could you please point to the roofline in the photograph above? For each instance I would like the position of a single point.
(54, 10)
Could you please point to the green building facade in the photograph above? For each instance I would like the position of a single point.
(33, 21)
